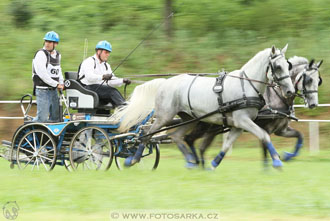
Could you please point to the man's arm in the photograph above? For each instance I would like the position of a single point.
(115, 81)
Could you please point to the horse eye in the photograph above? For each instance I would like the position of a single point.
(278, 68)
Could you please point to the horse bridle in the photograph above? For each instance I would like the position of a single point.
(306, 78)
(272, 59)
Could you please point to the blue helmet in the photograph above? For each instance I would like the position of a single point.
(104, 45)
(52, 36)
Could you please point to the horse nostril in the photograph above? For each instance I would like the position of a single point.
(289, 93)
(312, 106)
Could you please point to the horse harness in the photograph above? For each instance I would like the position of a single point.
(244, 102)
(306, 79)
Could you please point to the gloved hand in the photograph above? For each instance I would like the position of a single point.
(106, 77)
(127, 81)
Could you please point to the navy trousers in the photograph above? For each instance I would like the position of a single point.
(107, 94)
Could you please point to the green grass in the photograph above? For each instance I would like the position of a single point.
(239, 189)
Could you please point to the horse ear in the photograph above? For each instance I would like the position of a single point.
(319, 64)
(290, 65)
(311, 63)
(284, 49)
(273, 50)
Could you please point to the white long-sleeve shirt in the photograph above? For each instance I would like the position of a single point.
(94, 75)
(39, 64)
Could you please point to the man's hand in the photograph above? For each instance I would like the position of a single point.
(106, 77)
(60, 87)
(127, 81)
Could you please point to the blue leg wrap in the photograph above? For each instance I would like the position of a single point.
(272, 151)
(217, 160)
(131, 160)
(288, 156)
(298, 145)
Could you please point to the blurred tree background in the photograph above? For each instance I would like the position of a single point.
(203, 36)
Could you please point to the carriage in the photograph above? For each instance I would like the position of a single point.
(84, 140)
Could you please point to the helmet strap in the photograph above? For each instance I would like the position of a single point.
(52, 48)
(98, 54)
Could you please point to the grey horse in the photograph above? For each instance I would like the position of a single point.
(275, 115)
(242, 92)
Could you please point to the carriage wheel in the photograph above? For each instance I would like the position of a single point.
(90, 149)
(36, 150)
(149, 159)
(67, 163)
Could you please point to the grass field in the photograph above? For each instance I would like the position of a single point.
(240, 189)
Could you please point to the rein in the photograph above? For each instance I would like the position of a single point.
(253, 80)
(181, 124)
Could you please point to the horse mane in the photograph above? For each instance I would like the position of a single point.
(255, 58)
(296, 60)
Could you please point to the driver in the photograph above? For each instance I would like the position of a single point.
(95, 69)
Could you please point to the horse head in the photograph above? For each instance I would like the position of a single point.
(279, 70)
(308, 82)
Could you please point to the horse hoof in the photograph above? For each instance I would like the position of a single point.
(288, 156)
(277, 164)
(209, 168)
(214, 164)
(190, 165)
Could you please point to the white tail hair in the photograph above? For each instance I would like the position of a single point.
(140, 104)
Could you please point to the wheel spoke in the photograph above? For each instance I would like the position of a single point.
(28, 163)
(37, 162)
(43, 163)
(91, 160)
(41, 139)
(27, 150)
(34, 164)
(98, 162)
(30, 144)
(43, 146)
(24, 157)
(85, 163)
(45, 157)
(34, 141)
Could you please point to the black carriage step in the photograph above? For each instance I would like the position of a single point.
(6, 143)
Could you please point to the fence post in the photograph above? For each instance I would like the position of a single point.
(314, 142)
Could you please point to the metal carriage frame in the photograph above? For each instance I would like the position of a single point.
(81, 144)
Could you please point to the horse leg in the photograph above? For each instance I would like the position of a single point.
(290, 132)
(234, 133)
(265, 154)
(178, 137)
(159, 122)
(207, 140)
(244, 121)
(196, 133)
(190, 140)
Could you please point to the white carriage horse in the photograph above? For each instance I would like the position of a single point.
(169, 97)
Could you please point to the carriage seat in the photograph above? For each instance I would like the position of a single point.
(80, 98)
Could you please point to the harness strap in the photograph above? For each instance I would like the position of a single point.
(288, 105)
(191, 109)
(82, 77)
(255, 89)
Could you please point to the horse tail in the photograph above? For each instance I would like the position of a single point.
(140, 104)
